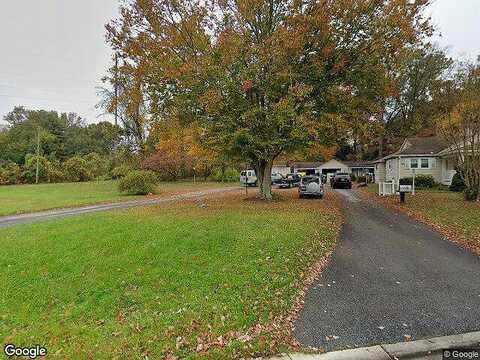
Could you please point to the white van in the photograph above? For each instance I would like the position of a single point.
(248, 178)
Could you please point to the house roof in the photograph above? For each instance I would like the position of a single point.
(307, 165)
(317, 164)
(358, 163)
(421, 146)
(280, 163)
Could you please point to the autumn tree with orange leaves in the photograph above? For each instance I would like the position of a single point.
(263, 78)
(459, 124)
(177, 153)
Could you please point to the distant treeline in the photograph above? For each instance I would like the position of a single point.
(66, 147)
(47, 146)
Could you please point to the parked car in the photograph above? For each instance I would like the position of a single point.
(341, 180)
(248, 178)
(311, 186)
(291, 180)
(277, 178)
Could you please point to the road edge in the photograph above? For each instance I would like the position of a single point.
(401, 350)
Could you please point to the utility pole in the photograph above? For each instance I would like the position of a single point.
(38, 155)
(116, 88)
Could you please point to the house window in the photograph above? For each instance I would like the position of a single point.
(424, 164)
(413, 163)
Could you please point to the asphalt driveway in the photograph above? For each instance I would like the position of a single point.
(390, 279)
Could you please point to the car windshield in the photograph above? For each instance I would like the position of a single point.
(308, 180)
(342, 175)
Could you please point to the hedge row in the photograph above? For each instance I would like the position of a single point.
(421, 181)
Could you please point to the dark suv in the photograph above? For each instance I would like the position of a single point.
(291, 180)
(341, 180)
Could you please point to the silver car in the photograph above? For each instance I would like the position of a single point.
(311, 186)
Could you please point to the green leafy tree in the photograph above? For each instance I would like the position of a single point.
(77, 169)
(263, 77)
(9, 173)
(96, 164)
(30, 168)
(419, 74)
(460, 126)
(61, 135)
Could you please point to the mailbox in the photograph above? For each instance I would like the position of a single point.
(405, 188)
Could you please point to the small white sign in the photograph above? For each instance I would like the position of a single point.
(405, 188)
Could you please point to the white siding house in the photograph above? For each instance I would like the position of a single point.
(419, 155)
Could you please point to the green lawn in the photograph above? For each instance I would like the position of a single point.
(446, 210)
(131, 283)
(19, 199)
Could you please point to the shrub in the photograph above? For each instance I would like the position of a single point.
(406, 181)
(169, 165)
(458, 185)
(9, 173)
(76, 169)
(120, 171)
(353, 177)
(55, 172)
(30, 168)
(97, 166)
(470, 194)
(229, 175)
(138, 182)
(421, 181)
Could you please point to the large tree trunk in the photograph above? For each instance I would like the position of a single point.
(264, 178)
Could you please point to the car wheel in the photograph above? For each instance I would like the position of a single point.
(300, 196)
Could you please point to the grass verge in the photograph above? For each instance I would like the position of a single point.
(18, 199)
(446, 211)
(212, 278)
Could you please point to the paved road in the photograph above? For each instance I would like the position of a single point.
(389, 277)
(51, 214)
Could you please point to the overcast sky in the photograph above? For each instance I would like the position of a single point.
(53, 52)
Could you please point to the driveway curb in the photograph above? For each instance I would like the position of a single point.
(433, 345)
(419, 349)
